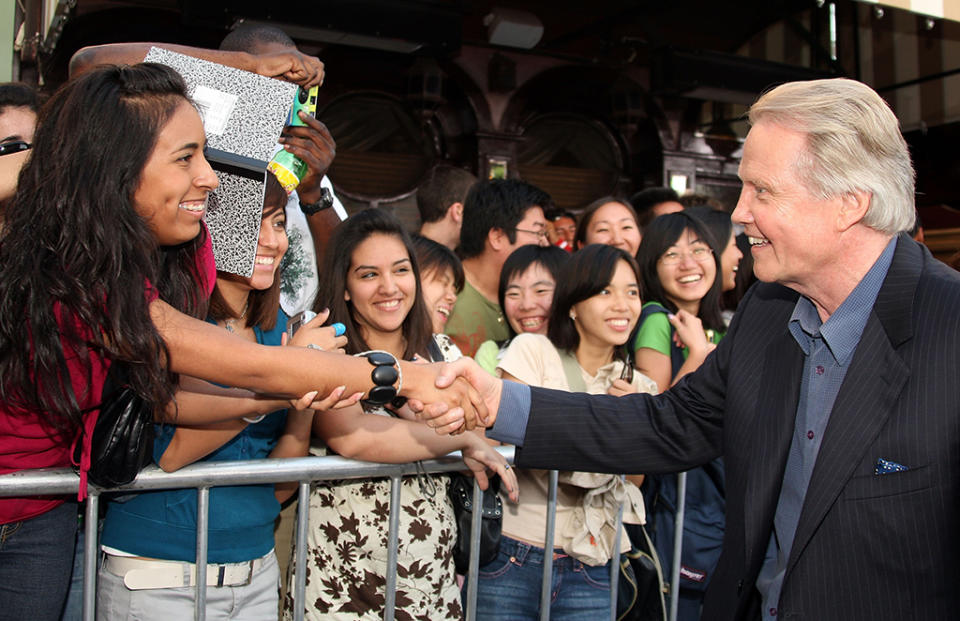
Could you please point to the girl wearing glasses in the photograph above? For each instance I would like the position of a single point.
(682, 275)
(679, 269)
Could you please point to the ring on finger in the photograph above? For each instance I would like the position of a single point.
(314, 346)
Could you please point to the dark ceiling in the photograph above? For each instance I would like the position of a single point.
(612, 32)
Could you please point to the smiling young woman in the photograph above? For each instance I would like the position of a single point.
(610, 221)
(527, 283)
(679, 271)
(373, 285)
(442, 280)
(682, 272)
(105, 259)
(596, 305)
(241, 518)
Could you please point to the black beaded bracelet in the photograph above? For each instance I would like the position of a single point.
(385, 374)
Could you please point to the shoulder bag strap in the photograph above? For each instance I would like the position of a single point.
(571, 368)
(433, 350)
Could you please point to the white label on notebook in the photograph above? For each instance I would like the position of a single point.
(215, 108)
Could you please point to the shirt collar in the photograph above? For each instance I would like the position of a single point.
(844, 327)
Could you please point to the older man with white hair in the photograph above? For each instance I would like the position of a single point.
(833, 398)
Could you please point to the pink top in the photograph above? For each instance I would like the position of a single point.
(27, 443)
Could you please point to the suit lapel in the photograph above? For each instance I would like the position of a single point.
(870, 389)
(775, 416)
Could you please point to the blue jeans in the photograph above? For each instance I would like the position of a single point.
(36, 556)
(508, 589)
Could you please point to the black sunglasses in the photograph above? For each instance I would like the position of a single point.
(17, 146)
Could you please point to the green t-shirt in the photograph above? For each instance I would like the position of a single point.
(487, 356)
(656, 333)
(475, 319)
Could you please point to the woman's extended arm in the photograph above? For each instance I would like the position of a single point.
(203, 350)
(193, 442)
(190, 444)
(197, 402)
(654, 365)
(290, 65)
(355, 434)
(690, 332)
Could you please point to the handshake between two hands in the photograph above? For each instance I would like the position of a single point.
(452, 397)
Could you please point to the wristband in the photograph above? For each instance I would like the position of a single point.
(386, 372)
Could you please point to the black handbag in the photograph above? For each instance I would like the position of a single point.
(461, 496)
(122, 442)
(640, 593)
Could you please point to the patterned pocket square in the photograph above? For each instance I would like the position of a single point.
(885, 466)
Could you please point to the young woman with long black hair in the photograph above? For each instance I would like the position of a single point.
(241, 517)
(682, 277)
(596, 305)
(372, 285)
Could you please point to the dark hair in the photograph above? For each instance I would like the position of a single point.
(263, 303)
(584, 276)
(443, 186)
(18, 95)
(720, 228)
(417, 327)
(76, 254)
(580, 238)
(701, 200)
(645, 200)
(496, 204)
(662, 233)
(551, 258)
(718, 223)
(434, 256)
(246, 38)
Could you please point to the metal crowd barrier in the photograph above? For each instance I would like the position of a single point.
(305, 470)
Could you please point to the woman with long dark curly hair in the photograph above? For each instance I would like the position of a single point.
(105, 258)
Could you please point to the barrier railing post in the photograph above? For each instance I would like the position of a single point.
(390, 597)
(473, 570)
(677, 545)
(300, 561)
(615, 559)
(200, 476)
(546, 587)
(90, 552)
(203, 525)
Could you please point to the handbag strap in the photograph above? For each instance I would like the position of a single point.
(571, 368)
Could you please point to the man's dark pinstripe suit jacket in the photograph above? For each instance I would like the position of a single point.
(867, 546)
